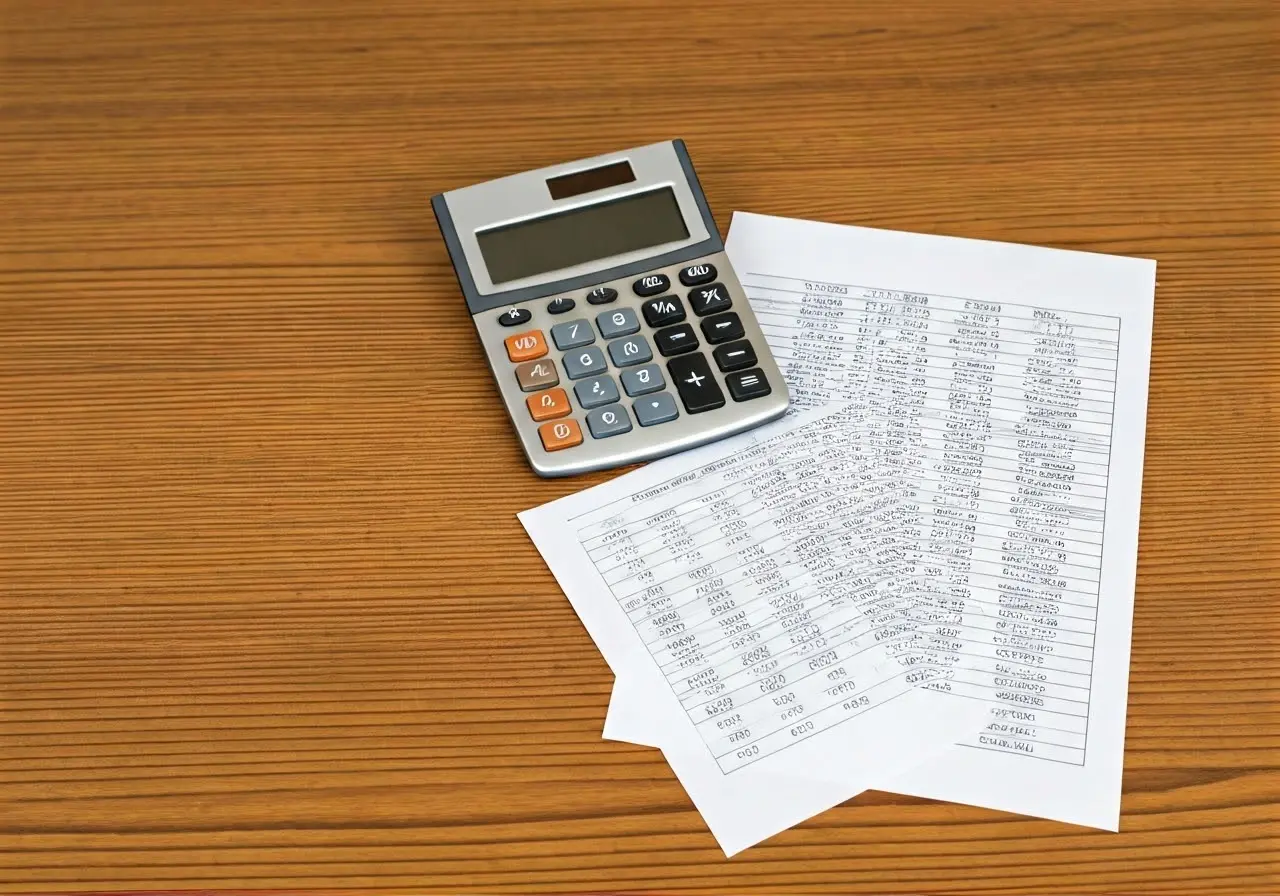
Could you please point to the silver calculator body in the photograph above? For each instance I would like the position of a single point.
(612, 321)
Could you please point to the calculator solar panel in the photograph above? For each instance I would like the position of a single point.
(611, 319)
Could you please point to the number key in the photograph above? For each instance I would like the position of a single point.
(596, 391)
(625, 352)
(609, 421)
(587, 362)
(643, 380)
(622, 322)
(572, 334)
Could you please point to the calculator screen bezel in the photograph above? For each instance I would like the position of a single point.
(461, 213)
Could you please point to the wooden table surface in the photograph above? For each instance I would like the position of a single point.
(268, 617)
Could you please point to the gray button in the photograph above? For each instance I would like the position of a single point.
(587, 362)
(618, 322)
(610, 421)
(572, 333)
(656, 409)
(626, 352)
(643, 380)
(596, 391)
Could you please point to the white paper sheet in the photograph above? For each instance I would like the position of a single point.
(1019, 375)
(700, 578)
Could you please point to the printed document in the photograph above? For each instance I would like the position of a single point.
(997, 394)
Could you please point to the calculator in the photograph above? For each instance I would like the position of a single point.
(610, 316)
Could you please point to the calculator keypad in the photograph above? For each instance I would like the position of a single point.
(651, 372)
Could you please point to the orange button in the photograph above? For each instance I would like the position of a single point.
(526, 346)
(561, 434)
(548, 405)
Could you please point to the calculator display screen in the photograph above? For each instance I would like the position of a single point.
(580, 235)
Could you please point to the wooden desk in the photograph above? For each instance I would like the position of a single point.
(268, 617)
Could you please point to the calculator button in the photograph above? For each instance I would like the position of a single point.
(722, 328)
(587, 362)
(548, 405)
(697, 274)
(651, 285)
(735, 356)
(622, 322)
(610, 421)
(526, 346)
(572, 333)
(709, 299)
(661, 408)
(697, 384)
(625, 352)
(514, 316)
(747, 385)
(560, 434)
(643, 380)
(662, 311)
(596, 391)
(601, 295)
(560, 306)
(676, 340)
(535, 375)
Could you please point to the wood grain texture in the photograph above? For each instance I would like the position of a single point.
(268, 617)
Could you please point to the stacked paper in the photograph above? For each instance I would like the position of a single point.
(920, 580)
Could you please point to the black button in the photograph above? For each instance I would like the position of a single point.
(560, 306)
(676, 340)
(735, 355)
(722, 328)
(602, 295)
(747, 385)
(709, 299)
(663, 311)
(696, 274)
(513, 316)
(651, 285)
(696, 383)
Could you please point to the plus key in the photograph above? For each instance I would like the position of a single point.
(696, 383)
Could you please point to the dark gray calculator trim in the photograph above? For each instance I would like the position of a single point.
(477, 303)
